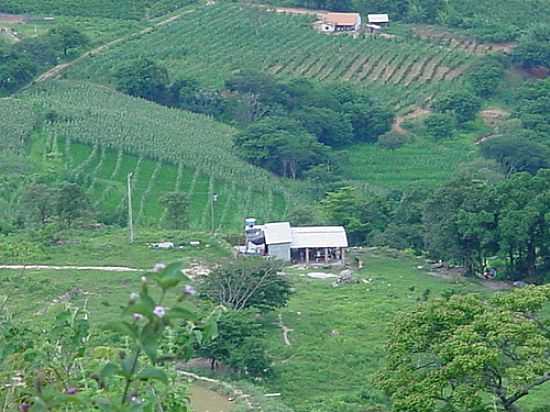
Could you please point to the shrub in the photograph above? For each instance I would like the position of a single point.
(440, 125)
(392, 140)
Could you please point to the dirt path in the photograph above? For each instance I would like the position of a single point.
(492, 117)
(415, 114)
(48, 267)
(59, 69)
(285, 330)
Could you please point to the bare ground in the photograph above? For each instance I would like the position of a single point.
(418, 112)
(49, 267)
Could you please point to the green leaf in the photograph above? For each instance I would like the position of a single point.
(149, 341)
(109, 370)
(153, 374)
(182, 313)
(124, 328)
(170, 277)
(144, 306)
(127, 364)
(210, 330)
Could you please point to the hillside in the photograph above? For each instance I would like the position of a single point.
(98, 136)
(208, 46)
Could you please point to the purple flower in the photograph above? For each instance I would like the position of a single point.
(71, 390)
(159, 311)
(189, 290)
(24, 407)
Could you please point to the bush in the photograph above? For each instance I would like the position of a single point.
(391, 140)
(440, 125)
(485, 76)
(462, 103)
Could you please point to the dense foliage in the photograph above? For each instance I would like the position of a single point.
(469, 353)
(75, 367)
(20, 62)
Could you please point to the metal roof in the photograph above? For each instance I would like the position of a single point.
(342, 19)
(378, 18)
(276, 233)
(318, 236)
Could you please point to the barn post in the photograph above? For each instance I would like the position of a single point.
(307, 256)
(326, 255)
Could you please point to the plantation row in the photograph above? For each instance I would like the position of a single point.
(103, 175)
(16, 123)
(208, 45)
(97, 116)
(119, 9)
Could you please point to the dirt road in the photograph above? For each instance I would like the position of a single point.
(48, 267)
(60, 68)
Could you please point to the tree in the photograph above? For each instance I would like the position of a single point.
(517, 153)
(440, 125)
(391, 140)
(467, 352)
(533, 48)
(143, 78)
(343, 207)
(485, 76)
(239, 344)
(67, 38)
(460, 222)
(462, 103)
(71, 203)
(523, 224)
(331, 128)
(248, 283)
(177, 209)
(280, 145)
(38, 203)
(368, 119)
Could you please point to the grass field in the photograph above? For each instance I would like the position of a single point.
(338, 334)
(207, 45)
(421, 162)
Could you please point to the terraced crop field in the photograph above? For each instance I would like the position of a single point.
(103, 174)
(98, 136)
(213, 41)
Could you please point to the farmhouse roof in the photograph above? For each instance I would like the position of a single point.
(378, 18)
(276, 233)
(318, 236)
(342, 19)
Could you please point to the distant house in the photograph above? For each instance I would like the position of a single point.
(309, 244)
(378, 19)
(340, 22)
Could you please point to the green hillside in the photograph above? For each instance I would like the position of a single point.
(98, 136)
(119, 9)
(207, 44)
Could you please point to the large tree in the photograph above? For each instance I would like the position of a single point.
(177, 209)
(248, 283)
(68, 38)
(143, 78)
(280, 145)
(468, 353)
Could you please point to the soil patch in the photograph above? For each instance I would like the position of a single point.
(415, 114)
(12, 18)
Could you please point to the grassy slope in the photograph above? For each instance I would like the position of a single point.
(422, 162)
(100, 136)
(316, 369)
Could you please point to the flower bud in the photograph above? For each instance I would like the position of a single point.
(134, 297)
(189, 290)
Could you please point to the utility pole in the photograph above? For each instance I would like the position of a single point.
(213, 198)
(130, 213)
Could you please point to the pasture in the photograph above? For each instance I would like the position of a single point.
(338, 334)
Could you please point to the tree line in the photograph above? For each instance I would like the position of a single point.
(289, 128)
